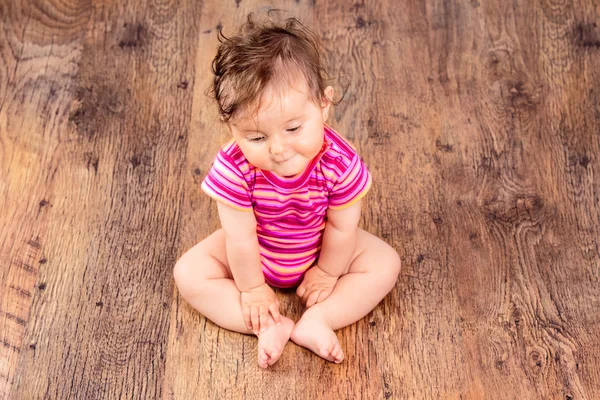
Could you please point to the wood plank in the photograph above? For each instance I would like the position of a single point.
(40, 46)
(101, 324)
(526, 291)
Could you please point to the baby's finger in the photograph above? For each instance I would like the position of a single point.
(307, 294)
(247, 318)
(264, 318)
(301, 290)
(322, 296)
(312, 298)
(274, 309)
(255, 320)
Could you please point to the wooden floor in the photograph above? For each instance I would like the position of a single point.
(479, 120)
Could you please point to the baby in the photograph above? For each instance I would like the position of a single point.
(288, 191)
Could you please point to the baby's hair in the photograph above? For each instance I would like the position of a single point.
(261, 54)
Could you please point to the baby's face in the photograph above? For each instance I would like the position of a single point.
(286, 132)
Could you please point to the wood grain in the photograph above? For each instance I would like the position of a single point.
(479, 121)
(40, 45)
(100, 325)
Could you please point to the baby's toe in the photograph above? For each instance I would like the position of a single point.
(263, 358)
(262, 354)
(325, 352)
(337, 353)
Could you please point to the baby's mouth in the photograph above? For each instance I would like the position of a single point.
(277, 161)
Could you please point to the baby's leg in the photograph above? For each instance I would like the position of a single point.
(372, 273)
(205, 281)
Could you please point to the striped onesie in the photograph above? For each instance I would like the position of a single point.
(290, 212)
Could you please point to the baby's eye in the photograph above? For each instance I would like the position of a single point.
(256, 139)
(294, 129)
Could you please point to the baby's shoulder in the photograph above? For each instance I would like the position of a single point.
(340, 150)
(230, 149)
(231, 157)
(231, 152)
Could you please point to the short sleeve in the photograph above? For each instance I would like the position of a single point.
(225, 183)
(351, 186)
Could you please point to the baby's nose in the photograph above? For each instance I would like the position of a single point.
(277, 146)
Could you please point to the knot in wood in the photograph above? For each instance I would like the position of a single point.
(536, 358)
(134, 36)
(521, 95)
(587, 36)
(513, 208)
(516, 316)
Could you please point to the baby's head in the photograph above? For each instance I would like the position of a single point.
(270, 87)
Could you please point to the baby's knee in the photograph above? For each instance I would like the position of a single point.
(181, 273)
(395, 263)
(392, 268)
(187, 278)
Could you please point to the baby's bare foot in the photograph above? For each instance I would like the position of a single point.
(272, 341)
(314, 332)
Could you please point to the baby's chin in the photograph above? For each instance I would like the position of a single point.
(295, 167)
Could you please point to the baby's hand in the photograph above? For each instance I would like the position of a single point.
(316, 286)
(257, 303)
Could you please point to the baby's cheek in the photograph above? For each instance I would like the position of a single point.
(255, 158)
(310, 148)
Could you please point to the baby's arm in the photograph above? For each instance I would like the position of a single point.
(242, 246)
(243, 255)
(339, 241)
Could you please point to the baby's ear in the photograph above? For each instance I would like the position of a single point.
(327, 97)
(326, 101)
